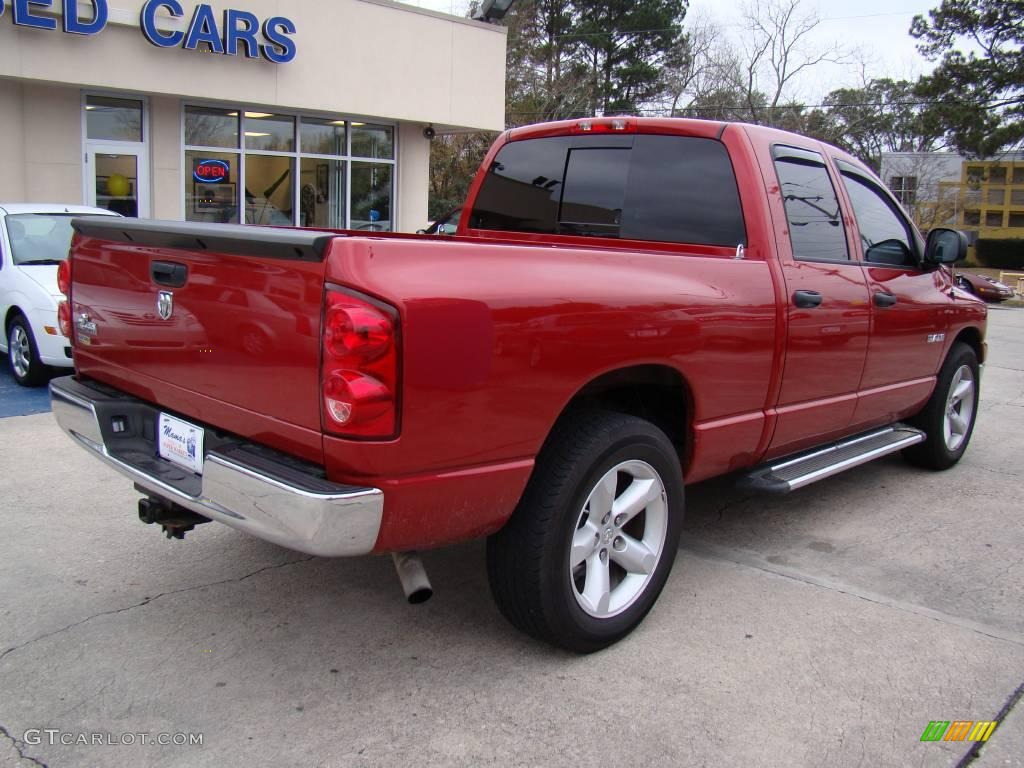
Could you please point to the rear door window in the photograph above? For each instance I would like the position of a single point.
(812, 208)
(659, 188)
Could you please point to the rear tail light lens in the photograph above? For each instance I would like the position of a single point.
(64, 318)
(64, 277)
(359, 378)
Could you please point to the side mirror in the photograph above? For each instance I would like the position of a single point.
(945, 246)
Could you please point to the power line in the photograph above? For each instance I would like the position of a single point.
(659, 111)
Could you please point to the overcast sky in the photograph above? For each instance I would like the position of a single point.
(879, 28)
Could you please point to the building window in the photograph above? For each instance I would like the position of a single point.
(1018, 174)
(994, 219)
(111, 119)
(997, 174)
(1017, 197)
(904, 188)
(247, 160)
(1017, 220)
(972, 218)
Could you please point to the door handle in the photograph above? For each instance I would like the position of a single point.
(883, 299)
(807, 299)
(168, 273)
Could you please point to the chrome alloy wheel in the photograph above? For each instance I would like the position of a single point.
(959, 407)
(21, 351)
(619, 539)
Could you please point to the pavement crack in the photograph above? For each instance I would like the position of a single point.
(149, 600)
(975, 751)
(18, 746)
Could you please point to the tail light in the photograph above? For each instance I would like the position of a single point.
(64, 318)
(359, 377)
(64, 286)
(64, 277)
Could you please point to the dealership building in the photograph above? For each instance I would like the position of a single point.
(307, 112)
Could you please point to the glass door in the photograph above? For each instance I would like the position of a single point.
(117, 179)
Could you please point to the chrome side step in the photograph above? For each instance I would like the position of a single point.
(792, 472)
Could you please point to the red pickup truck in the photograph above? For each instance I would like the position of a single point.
(628, 304)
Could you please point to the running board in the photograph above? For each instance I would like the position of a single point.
(791, 472)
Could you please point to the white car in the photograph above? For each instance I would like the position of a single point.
(34, 240)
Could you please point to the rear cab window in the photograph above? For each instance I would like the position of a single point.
(674, 189)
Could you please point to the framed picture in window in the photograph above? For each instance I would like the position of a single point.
(210, 198)
(322, 181)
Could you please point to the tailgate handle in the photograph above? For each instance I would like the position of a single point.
(168, 273)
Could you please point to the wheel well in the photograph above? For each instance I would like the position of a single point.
(972, 338)
(11, 314)
(656, 393)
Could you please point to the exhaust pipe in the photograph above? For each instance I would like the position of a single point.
(413, 576)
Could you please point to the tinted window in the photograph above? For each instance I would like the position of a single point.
(812, 209)
(665, 188)
(883, 234)
(683, 190)
(595, 192)
(523, 187)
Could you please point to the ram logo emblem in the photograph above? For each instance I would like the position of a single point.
(165, 304)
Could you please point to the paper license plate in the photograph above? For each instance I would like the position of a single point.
(180, 442)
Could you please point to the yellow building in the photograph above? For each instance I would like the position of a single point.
(984, 198)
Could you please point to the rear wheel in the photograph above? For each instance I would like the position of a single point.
(29, 370)
(592, 542)
(949, 416)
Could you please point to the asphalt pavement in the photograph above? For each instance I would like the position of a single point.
(16, 400)
(824, 628)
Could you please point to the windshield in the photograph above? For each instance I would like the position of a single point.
(39, 238)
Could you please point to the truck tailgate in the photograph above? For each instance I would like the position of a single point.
(219, 323)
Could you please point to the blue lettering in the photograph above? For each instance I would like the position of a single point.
(23, 14)
(246, 34)
(74, 25)
(157, 38)
(281, 49)
(203, 29)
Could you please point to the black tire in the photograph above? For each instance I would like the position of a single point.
(23, 355)
(936, 452)
(528, 560)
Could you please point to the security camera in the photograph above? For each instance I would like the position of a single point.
(429, 132)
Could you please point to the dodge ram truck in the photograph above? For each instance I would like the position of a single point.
(627, 305)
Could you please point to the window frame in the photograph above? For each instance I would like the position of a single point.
(296, 155)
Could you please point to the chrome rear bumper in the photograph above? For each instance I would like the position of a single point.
(269, 499)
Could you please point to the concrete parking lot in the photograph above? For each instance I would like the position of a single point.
(826, 628)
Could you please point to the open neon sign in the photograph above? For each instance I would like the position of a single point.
(211, 171)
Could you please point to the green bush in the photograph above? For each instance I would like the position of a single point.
(1000, 254)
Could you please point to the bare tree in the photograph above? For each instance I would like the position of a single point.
(779, 47)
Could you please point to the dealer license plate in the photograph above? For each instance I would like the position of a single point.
(180, 442)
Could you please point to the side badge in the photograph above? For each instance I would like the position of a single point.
(935, 338)
(165, 304)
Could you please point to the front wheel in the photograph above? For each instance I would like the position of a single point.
(948, 417)
(29, 370)
(591, 544)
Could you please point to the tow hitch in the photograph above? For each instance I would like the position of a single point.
(174, 520)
